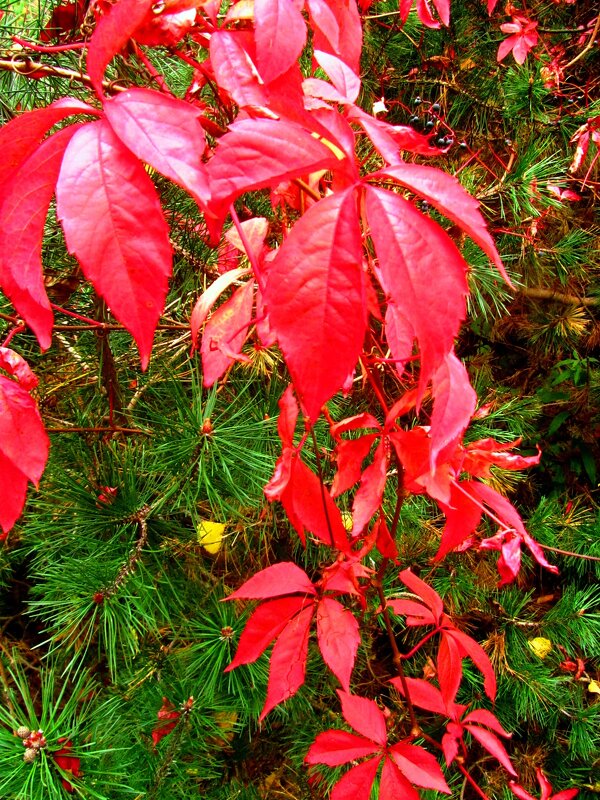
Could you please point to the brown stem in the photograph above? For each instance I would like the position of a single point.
(306, 188)
(540, 293)
(468, 777)
(400, 497)
(588, 46)
(569, 553)
(99, 429)
(397, 658)
(134, 556)
(23, 65)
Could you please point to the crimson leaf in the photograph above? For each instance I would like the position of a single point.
(103, 194)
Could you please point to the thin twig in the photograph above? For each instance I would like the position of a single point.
(540, 293)
(588, 46)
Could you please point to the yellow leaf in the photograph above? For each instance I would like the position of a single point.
(347, 520)
(339, 154)
(210, 535)
(540, 646)
(594, 687)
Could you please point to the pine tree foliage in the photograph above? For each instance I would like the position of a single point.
(110, 604)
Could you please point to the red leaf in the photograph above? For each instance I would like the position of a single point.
(66, 761)
(415, 613)
(349, 455)
(164, 132)
(364, 716)
(428, 595)
(103, 193)
(483, 717)
(275, 581)
(479, 657)
(451, 199)
(449, 668)
(23, 449)
(414, 255)
(394, 785)
(22, 135)
(288, 416)
(345, 80)
(316, 299)
(454, 402)
(390, 140)
(311, 505)
(337, 29)
(463, 515)
(280, 36)
(264, 625)
(257, 153)
(18, 368)
(493, 745)
(23, 216)
(208, 298)
(422, 694)
(338, 747)
(168, 716)
(481, 455)
(419, 766)
(356, 784)
(235, 70)
(338, 637)
(354, 423)
(288, 661)
(225, 333)
(369, 496)
(112, 32)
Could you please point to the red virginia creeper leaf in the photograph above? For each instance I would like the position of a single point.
(113, 224)
(420, 767)
(22, 135)
(23, 449)
(390, 140)
(256, 153)
(356, 784)
(449, 668)
(422, 694)
(164, 132)
(288, 416)
(493, 745)
(338, 747)
(23, 215)
(112, 32)
(415, 613)
(307, 500)
(415, 254)
(394, 785)
(167, 716)
(280, 36)
(338, 637)
(265, 624)
(483, 717)
(429, 596)
(18, 368)
(349, 455)
(208, 298)
(345, 80)
(454, 402)
(451, 199)
(235, 70)
(463, 515)
(337, 29)
(364, 716)
(316, 299)
(481, 455)
(288, 661)
(225, 333)
(274, 581)
(478, 656)
(370, 492)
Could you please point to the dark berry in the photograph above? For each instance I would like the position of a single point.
(413, 121)
(436, 108)
(429, 125)
(417, 101)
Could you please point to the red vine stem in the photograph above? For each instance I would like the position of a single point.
(49, 48)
